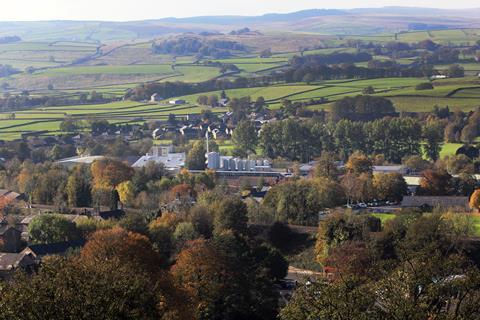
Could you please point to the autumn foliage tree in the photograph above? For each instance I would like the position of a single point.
(358, 163)
(126, 192)
(224, 280)
(79, 189)
(161, 232)
(231, 214)
(117, 243)
(69, 288)
(391, 186)
(107, 174)
(475, 200)
(435, 183)
(110, 173)
(200, 271)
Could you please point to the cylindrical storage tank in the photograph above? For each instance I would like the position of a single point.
(236, 163)
(253, 164)
(248, 165)
(213, 160)
(225, 164)
(240, 165)
(232, 166)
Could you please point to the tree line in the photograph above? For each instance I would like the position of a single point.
(194, 46)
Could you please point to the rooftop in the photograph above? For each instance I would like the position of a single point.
(80, 160)
(10, 261)
(171, 161)
(392, 168)
(5, 227)
(436, 201)
(54, 248)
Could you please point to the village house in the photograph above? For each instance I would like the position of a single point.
(224, 102)
(190, 131)
(9, 262)
(38, 251)
(155, 98)
(8, 197)
(10, 239)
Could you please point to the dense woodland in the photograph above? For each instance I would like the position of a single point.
(217, 49)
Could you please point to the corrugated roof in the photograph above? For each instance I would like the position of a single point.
(435, 201)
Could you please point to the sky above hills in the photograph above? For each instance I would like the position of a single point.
(115, 10)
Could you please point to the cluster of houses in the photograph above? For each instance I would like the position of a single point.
(193, 127)
(17, 252)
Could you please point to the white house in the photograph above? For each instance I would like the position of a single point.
(155, 98)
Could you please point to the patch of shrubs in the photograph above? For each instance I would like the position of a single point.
(424, 86)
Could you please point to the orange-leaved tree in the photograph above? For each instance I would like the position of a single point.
(475, 200)
(110, 173)
(117, 243)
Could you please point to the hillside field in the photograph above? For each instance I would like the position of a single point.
(465, 95)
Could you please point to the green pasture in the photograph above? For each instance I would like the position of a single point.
(193, 73)
(43, 54)
(130, 69)
(47, 46)
(256, 67)
(271, 93)
(449, 149)
(476, 224)
(384, 217)
(400, 90)
(253, 60)
(475, 220)
(425, 104)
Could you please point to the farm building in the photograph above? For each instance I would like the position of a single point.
(156, 98)
(438, 76)
(177, 102)
(10, 238)
(224, 102)
(73, 161)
